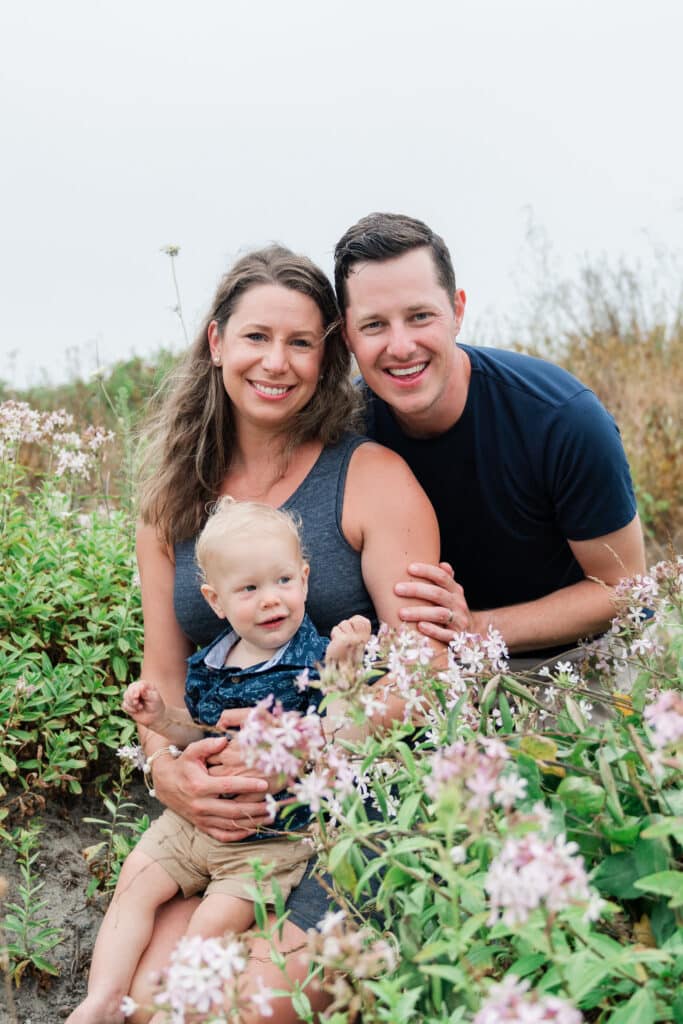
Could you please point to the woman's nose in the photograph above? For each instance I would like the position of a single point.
(275, 357)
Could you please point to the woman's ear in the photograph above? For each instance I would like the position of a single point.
(214, 336)
(210, 595)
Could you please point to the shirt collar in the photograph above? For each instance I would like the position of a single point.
(218, 654)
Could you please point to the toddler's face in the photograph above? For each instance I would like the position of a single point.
(261, 590)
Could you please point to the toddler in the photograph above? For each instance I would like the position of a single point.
(256, 577)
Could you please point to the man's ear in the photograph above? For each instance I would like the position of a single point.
(460, 299)
(345, 335)
(210, 595)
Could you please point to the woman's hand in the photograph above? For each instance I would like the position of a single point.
(194, 791)
(446, 611)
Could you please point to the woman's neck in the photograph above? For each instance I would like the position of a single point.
(260, 470)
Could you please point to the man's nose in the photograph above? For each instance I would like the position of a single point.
(275, 357)
(401, 343)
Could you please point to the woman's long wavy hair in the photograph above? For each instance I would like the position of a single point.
(190, 438)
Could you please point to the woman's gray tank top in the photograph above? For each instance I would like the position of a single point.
(335, 590)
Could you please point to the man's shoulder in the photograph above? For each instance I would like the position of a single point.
(524, 376)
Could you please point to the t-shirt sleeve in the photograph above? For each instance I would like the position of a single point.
(586, 470)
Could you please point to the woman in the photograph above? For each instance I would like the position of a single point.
(260, 411)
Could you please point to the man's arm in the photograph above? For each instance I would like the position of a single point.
(563, 616)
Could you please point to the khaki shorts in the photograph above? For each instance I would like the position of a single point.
(197, 862)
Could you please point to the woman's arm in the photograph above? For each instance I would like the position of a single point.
(184, 784)
(388, 517)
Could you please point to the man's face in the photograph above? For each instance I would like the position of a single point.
(401, 326)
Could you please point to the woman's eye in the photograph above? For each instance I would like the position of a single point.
(372, 326)
(256, 336)
(301, 343)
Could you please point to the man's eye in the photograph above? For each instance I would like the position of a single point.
(422, 316)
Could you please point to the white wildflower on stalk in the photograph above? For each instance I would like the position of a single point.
(531, 872)
(511, 1002)
(201, 974)
(133, 753)
(262, 998)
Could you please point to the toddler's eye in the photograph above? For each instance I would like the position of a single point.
(248, 587)
(285, 579)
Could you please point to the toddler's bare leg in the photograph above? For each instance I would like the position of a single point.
(220, 912)
(125, 932)
(217, 913)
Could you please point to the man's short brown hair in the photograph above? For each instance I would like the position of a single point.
(383, 236)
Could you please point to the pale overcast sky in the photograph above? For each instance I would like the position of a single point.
(223, 124)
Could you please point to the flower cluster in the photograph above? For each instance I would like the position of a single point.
(203, 977)
(532, 871)
(349, 957)
(665, 718)
(510, 1002)
(478, 774)
(73, 453)
(280, 742)
(134, 754)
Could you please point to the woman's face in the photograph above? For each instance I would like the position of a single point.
(271, 352)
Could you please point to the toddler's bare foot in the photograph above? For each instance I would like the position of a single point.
(97, 1010)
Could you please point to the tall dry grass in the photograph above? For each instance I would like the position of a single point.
(623, 336)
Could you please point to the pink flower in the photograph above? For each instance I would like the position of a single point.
(532, 871)
(665, 718)
(510, 1002)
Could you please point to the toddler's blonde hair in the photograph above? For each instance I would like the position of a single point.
(231, 522)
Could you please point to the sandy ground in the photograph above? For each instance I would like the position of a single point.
(60, 865)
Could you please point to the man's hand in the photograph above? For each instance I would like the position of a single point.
(196, 793)
(348, 639)
(143, 702)
(446, 611)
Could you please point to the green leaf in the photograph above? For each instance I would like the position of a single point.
(339, 852)
(581, 796)
(407, 810)
(640, 1009)
(664, 883)
(668, 827)
(120, 667)
(617, 874)
(449, 972)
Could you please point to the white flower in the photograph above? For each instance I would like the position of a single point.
(261, 999)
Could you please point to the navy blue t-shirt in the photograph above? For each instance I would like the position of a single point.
(533, 461)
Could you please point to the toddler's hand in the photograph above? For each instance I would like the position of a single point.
(348, 639)
(144, 703)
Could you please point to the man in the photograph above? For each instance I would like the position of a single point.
(524, 467)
